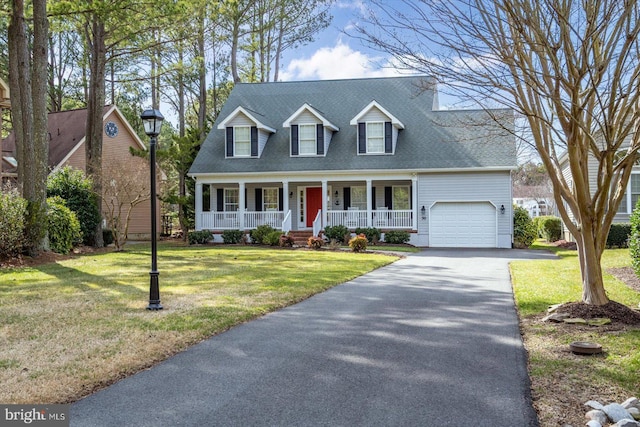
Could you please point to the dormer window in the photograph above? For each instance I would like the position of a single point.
(375, 137)
(242, 141)
(245, 135)
(310, 132)
(377, 130)
(307, 135)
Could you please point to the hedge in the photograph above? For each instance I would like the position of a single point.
(548, 227)
(63, 226)
(12, 221)
(619, 236)
(524, 232)
(232, 237)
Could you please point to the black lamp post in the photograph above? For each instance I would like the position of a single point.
(152, 120)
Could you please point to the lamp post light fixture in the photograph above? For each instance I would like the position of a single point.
(152, 121)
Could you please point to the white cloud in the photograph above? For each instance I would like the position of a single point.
(338, 62)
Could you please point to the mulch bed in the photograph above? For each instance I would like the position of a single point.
(618, 313)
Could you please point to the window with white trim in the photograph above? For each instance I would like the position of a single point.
(359, 197)
(375, 137)
(242, 141)
(270, 199)
(231, 199)
(307, 139)
(401, 196)
(631, 196)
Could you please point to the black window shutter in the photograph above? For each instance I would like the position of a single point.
(388, 197)
(220, 200)
(280, 199)
(319, 139)
(258, 199)
(294, 140)
(388, 144)
(373, 198)
(229, 141)
(362, 138)
(246, 191)
(347, 197)
(254, 141)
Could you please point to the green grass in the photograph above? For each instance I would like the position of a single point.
(539, 284)
(393, 248)
(561, 381)
(78, 324)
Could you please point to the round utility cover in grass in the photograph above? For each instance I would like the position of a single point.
(463, 225)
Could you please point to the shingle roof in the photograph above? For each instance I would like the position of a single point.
(66, 129)
(430, 140)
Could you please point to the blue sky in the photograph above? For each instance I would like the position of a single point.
(335, 55)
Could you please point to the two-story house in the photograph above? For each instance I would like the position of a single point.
(361, 153)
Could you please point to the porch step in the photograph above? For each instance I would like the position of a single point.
(300, 237)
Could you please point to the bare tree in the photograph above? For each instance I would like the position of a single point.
(569, 68)
(126, 185)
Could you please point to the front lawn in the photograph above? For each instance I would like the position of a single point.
(562, 382)
(70, 327)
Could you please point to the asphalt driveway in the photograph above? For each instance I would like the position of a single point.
(431, 340)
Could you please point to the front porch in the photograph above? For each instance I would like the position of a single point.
(388, 204)
(352, 219)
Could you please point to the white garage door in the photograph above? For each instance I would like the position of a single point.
(462, 225)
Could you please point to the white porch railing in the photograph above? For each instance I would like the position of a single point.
(272, 218)
(231, 220)
(220, 220)
(352, 219)
(286, 223)
(317, 224)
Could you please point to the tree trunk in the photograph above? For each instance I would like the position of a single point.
(182, 219)
(234, 51)
(20, 85)
(279, 43)
(181, 95)
(29, 100)
(202, 73)
(95, 111)
(40, 167)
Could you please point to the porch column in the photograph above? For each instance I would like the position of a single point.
(198, 205)
(414, 201)
(241, 207)
(285, 197)
(369, 203)
(325, 202)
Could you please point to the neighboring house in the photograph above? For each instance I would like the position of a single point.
(535, 207)
(628, 203)
(359, 153)
(67, 148)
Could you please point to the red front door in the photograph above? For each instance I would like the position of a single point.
(314, 203)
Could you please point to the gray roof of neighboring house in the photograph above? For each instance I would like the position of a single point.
(431, 139)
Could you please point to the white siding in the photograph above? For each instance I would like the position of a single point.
(305, 117)
(328, 134)
(241, 120)
(375, 115)
(493, 187)
(263, 136)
